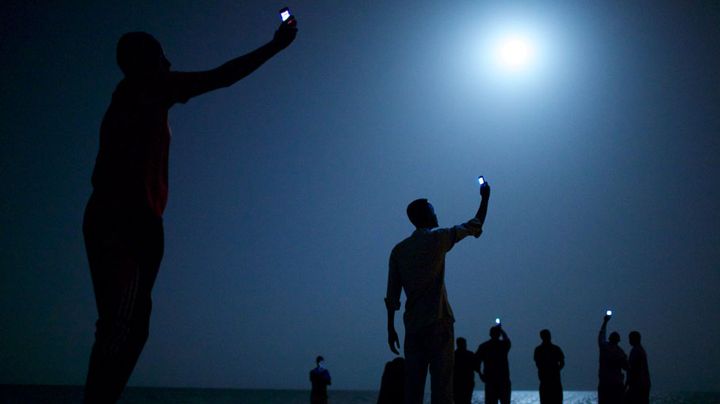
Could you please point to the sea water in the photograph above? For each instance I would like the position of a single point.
(31, 394)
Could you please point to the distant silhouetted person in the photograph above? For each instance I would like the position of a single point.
(638, 374)
(549, 359)
(417, 266)
(320, 379)
(492, 365)
(393, 382)
(464, 374)
(612, 363)
(123, 225)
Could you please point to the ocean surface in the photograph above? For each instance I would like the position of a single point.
(31, 394)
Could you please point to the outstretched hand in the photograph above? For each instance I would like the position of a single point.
(285, 34)
(606, 318)
(394, 342)
(485, 190)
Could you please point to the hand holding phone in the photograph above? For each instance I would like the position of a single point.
(484, 187)
(285, 35)
(287, 17)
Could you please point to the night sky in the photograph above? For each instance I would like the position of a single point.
(288, 190)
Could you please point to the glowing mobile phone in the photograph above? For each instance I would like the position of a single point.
(481, 180)
(608, 313)
(497, 319)
(285, 14)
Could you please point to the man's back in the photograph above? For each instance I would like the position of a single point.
(493, 354)
(638, 375)
(548, 359)
(612, 361)
(418, 264)
(464, 368)
(320, 379)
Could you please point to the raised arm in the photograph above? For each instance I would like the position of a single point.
(602, 335)
(485, 197)
(505, 337)
(191, 84)
(479, 219)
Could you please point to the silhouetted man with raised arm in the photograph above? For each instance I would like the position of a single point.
(638, 374)
(464, 373)
(417, 266)
(549, 359)
(613, 361)
(123, 226)
(492, 365)
(319, 379)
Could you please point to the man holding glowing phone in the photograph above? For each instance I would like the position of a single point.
(122, 225)
(611, 385)
(417, 266)
(492, 365)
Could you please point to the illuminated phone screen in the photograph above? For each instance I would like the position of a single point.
(285, 14)
(481, 180)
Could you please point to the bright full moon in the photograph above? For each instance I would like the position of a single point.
(515, 52)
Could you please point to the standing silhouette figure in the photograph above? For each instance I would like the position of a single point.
(492, 365)
(417, 266)
(613, 361)
(319, 379)
(464, 373)
(638, 374)
(123, 226)
(549, 359)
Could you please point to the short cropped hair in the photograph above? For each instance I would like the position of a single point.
(137, 52)
(417, 211)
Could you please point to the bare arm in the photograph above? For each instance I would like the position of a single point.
(192, 84)
(482, 210)
(505, 337)
(602, 335)
(392, 303)
(478, 363)
(393, 339)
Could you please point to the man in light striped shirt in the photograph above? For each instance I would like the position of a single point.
(417, 266)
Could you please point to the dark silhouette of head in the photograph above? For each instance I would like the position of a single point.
(545, 336)
(422, 214)
(634, 338)
(318, 360)
(495, 332)
(614, 338)
(140, 55)
(461, 343)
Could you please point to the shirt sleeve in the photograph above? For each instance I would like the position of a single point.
(394, 285)
(452, 235)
